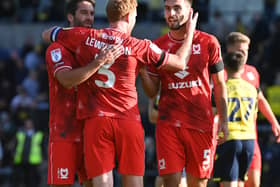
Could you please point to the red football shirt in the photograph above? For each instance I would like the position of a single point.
(185, 98)
(250, 74)
(111, 91)
(63, 124)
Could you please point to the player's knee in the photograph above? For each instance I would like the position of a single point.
(254, 179)
(87, 183)
(252, 183)
(174, 178)
(195, 181)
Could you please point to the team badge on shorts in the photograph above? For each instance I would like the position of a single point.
(161, 164)
(56, 55)
(63, 173)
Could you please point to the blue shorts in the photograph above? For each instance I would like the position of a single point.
(233, 159)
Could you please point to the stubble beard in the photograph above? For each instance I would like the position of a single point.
(78, 23)
(178, 25)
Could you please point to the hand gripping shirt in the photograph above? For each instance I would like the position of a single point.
(111, 91)
(63, 124)
(185, 97)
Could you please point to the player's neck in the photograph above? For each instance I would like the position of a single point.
(236, 75)
(178, 34)
(122, 26)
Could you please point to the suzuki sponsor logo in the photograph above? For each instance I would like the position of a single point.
(182, 85)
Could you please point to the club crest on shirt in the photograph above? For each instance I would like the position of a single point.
(170, 45)
(56, 55)
(196, 49)
(250, 76)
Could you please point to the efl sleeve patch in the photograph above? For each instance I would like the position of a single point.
(56, 55)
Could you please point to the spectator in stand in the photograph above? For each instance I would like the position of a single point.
(7, 10)
(28, 155)
(21, 100)
(31, 84)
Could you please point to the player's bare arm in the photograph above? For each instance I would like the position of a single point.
(46, 34)
(150, 84)
(220, 94)
(152, 111)
(266, 110)
(74, 77)
(183, 54)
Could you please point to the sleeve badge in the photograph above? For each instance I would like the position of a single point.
(56, 55)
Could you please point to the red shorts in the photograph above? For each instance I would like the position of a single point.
(179, 147)
(65, 160)
(256, 163)
(110, 139)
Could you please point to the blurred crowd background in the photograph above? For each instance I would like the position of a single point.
(24, 81)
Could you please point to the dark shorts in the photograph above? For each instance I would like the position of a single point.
(233, 159)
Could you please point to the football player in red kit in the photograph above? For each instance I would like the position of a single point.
(65, 131)
(108, 100)
(185, 135)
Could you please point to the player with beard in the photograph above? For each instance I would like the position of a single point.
(185, 136)
(65, 131)
(108, 101)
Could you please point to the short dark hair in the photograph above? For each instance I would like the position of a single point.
(234, 61)
(191, 1)
(72, 6)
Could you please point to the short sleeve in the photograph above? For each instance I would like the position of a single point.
(150, 54)
(215, 55)
(58, 58)
(70, 38)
